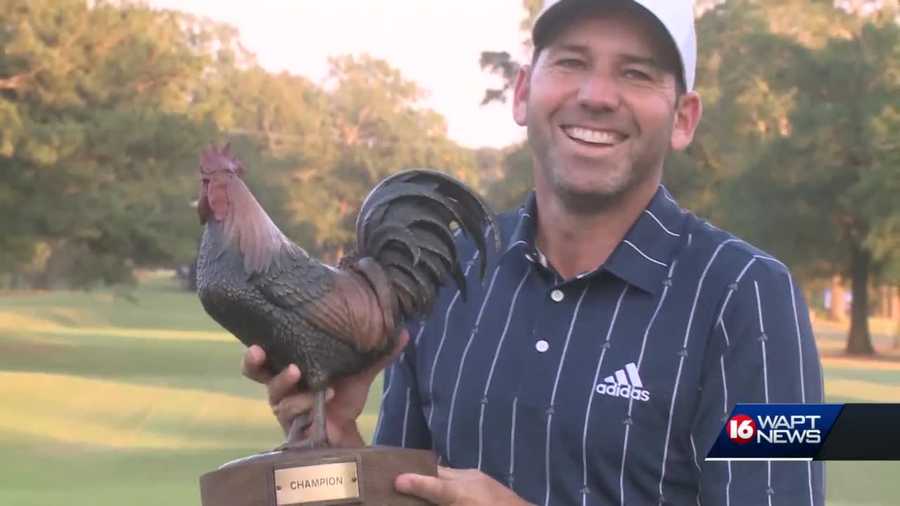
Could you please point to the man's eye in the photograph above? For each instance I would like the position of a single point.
(637, 74)
(570, 63)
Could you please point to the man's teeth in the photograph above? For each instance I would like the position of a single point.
(593, 136)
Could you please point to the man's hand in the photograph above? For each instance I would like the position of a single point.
(458, 487)
(345, 399)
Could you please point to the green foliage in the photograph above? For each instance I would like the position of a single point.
(97, 151)
(508, 192)
(104, 107)
(798, 143)
(377, 129)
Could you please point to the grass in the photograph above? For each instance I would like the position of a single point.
(127, 398)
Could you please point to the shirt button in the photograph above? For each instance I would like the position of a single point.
(557, 295)
(542, 346)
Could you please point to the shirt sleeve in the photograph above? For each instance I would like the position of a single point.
(762, 350)
(401, 421)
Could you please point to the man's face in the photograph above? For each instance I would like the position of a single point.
(601, 108)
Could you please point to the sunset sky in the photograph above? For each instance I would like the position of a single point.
(435, 43)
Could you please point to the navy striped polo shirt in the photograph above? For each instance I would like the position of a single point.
(610, 388)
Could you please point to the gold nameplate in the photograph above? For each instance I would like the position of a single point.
(316, 483)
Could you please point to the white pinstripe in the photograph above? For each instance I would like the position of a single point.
(490, 377)
(699, 482)
(731, 290)
(800, 360)
(728, 487)
(799, 344)
(440, 348)
(640, 359)
(797, 328)
(687, 335)
(724, 332)
(724, 386)
(419, 334)
(668, 197)
(666, 230)
(725, 414)
(405, 418)
(462, 360)
(587, 413)
(762, 341)
(559, 369)
(721, 322)
(388, 373)
(512, 445)
(657, 262)
(384, 395)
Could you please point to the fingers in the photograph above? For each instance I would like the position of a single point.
(400, 345)
(291, 407)
(283, 384)
(252, 366)
(433, 490)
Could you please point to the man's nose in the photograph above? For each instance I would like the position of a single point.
(599, 92)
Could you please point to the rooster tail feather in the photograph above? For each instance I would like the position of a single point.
(405, 224)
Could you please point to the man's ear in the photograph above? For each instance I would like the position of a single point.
(520, 95)
(688, 112)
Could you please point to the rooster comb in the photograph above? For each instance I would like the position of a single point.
(215, 159)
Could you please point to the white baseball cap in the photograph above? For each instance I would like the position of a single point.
(676, 16)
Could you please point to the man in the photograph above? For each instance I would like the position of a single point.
(615, 331)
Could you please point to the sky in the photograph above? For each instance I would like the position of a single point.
(436, 43)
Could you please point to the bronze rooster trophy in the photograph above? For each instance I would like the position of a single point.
(330, 321)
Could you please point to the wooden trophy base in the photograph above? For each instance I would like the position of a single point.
(322, 477)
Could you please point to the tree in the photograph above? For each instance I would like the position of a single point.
(96, 148)
(815, 118)
(378, 128)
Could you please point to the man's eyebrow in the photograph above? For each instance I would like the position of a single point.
(625, 58)
(642, 60)
(569, 48)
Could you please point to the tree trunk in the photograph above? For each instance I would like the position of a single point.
(859, 341)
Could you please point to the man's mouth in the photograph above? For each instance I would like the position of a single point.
(594, 137)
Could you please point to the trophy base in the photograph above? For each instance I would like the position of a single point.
(324, 477)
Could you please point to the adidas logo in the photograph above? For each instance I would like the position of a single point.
(624, 383)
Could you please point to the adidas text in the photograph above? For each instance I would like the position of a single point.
(625, 383)
(624, 391)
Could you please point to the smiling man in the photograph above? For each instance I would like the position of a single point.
(616, 331)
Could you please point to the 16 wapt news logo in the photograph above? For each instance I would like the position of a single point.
(774, 432)
(775, 429)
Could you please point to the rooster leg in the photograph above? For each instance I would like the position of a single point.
(318, 438)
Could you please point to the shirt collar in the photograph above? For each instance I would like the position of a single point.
(644, 256)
